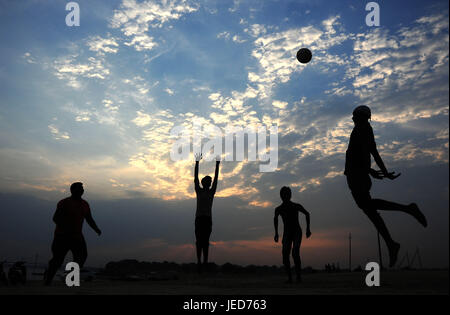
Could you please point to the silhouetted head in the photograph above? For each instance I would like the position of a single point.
(76, 189)
(285, 194)
(206, 181)
(361, 114)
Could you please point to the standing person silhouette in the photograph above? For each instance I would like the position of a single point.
(358, 168)
(203, 218)
(292, 232)
(69, 217)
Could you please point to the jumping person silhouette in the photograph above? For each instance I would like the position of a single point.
(292, 232)
(357, 169)
(69, 216)
(203, 218)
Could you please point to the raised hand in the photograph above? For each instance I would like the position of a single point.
(392, 175)
(198, 156)
(218, 157)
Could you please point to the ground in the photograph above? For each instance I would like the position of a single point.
(392, 282)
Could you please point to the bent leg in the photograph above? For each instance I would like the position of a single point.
(393, 246)
(378, 221)
(369, 206)
(381, 204)
(60, 247)
(79, 251)
(411, 209)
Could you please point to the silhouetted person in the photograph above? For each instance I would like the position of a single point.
(69, 217)
(292, 232)
(203, 218)
(357, 169)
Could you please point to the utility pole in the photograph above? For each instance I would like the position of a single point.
(379, 253)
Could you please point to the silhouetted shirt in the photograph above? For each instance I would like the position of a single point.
(205, 199)
(362, 143)
(289, 214)
(69, 216)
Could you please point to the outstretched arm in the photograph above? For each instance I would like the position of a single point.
(275, 224)
(216, 175)
(198, 157)
(92, 224)
(306, 213)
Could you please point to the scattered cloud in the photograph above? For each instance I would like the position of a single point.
(135, 18)
(276, 51)
(224, 35)
(142, 119)
(68, 69)
(28, 58)
(103, 45)
(238, 39)
(58, 135)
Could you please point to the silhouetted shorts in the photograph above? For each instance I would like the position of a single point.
(292, 241)
(62, 244)
(203, 228)
(360, 187)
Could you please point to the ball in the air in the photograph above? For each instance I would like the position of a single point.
(304, 55)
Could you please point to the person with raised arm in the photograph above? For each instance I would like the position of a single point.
(203, 214)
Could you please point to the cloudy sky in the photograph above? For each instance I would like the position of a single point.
(96, 103)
